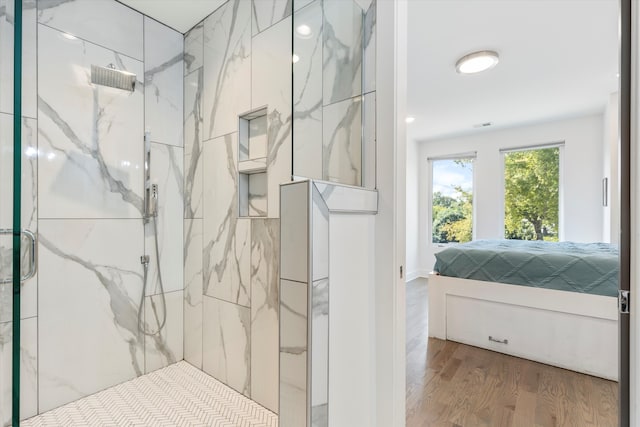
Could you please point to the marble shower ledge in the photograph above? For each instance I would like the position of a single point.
(341, 198)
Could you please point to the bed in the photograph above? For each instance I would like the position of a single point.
(554, 303)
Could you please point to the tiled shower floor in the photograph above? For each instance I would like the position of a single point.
(178, 395)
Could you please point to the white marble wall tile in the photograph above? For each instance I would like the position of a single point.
(320, 347)
(293, 354)
(265, 254)
(342, 46)
(166, 172)
(271, 86)
(29, 101)
(89, 136)
(342, 142)
(299, 4)
(269, 12)
(294, 222)
(320, 235)
(165, 347)
(227, 343)
(193, 292)
(163, 79)
(307, 93)
(104, 22)
(345, 199)
(227, 67)
(89, 296)
(369, 141)
(193, 96)
(370, 46)
(28, 369)
(258, 194)
(226, 239)
(29, 213)
(193, 48)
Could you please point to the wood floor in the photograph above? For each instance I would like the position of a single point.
(451, 384)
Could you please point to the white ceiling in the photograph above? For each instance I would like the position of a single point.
(558, 58)
(181, 15)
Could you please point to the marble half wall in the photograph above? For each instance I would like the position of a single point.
(305, 294)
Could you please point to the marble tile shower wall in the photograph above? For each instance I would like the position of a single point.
(237, 60)
(83, 167)
(334, 90)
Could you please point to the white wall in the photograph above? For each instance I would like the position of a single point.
(351, 320)
(413, 240)
(581, 170)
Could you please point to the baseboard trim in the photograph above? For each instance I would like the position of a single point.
(412, 275)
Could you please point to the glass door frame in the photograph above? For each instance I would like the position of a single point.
(17, 208)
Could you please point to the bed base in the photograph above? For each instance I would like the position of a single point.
(566, 329)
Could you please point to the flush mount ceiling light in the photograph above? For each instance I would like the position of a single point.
(477, 62)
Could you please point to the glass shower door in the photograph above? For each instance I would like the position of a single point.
(17, 242)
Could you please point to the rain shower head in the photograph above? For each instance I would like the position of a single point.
(109, 76)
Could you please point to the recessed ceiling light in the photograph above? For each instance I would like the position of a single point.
(304, 30)
(410, 119)
(477, 62)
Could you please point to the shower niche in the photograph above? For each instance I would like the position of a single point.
(252, 163)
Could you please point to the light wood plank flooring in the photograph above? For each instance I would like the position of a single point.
(451, 384)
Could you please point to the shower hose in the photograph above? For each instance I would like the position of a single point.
(141, 324)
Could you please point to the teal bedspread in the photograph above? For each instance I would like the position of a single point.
(577, 267)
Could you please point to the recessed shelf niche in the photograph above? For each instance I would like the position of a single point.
(252, 163)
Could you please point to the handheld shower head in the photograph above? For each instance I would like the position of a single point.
(111, 77)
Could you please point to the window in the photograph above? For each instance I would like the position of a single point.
(452, 200)
(531, 194)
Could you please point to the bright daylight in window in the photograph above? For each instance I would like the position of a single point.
(452, 200)
(531, 194)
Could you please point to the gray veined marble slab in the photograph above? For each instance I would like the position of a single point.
(271, 86)
(293, 354)
(299, 4)
(265, 265)
(369, 141)
(90, 137)
(227, 343)
(342, 46)
(90, 289)
(226, 239)
(193, 120)
(29, 212)
(269, 12)
(193, 48)
(257, 196)
(104, 22)
(29, 80)
(227, 67)
(28, 370)
(193, 292)
(370, 46)
(166, 347)
(294, 252)
(320, 352)
(320, 236)
(342, 142)
(166, 172)
(163, 80)
(307, 93)
(343, 198)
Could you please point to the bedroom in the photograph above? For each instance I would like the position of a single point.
(552, 90)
